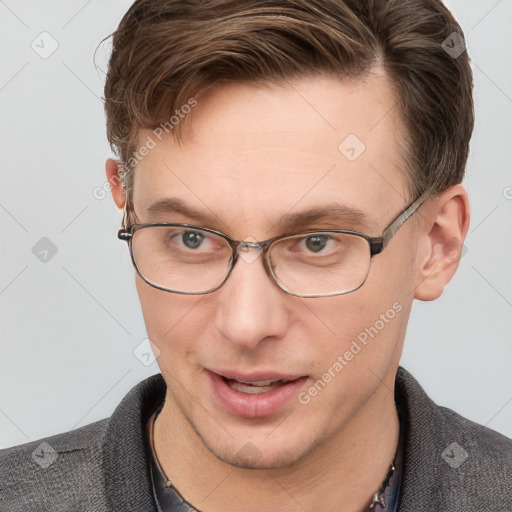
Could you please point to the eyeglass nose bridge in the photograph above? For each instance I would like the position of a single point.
(241, 250)
(245, 244)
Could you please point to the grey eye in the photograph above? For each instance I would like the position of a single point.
(192, 239)
(316, 243)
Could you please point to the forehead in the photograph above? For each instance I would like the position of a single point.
(251, 155)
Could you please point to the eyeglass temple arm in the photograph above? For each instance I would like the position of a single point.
(379, 243)
(123, 233)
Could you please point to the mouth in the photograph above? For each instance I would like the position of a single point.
(256, 387)
(256, 395)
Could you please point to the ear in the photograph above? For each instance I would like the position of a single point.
(112, 168)
(441, 241)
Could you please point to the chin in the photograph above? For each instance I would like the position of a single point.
(263, 454)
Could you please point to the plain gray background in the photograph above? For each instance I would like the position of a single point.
(70, 324)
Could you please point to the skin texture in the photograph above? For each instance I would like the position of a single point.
(249, 156)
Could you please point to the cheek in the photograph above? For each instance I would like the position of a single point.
(365, 338)
(168, 319)
(391, 278)
(364, 329)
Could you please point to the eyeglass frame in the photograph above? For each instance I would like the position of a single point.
(376, 245)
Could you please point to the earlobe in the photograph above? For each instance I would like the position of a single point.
(442, 242)
(112, 168)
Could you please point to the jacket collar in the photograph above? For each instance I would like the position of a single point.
(125, 462)
(125, 455)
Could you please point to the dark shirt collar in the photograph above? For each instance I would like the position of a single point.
(166, 496)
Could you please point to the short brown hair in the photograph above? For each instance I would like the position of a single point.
(166, 51)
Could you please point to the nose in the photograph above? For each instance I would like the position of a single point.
(251, 307)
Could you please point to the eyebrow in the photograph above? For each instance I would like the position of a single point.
(332, 215)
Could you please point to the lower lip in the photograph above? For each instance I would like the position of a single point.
(254, 405)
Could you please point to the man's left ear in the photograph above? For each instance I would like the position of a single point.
(441, 242)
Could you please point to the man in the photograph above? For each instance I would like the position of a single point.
(290, 178)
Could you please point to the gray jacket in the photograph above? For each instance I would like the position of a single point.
(451, 464)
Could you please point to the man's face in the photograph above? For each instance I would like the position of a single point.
(249, 157)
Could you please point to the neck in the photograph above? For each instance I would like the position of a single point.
(342, 474)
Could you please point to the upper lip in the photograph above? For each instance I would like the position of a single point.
(256, 376)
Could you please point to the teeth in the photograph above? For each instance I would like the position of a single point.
(259, 382)
(253, 388)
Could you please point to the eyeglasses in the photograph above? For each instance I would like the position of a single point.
(193, 260)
